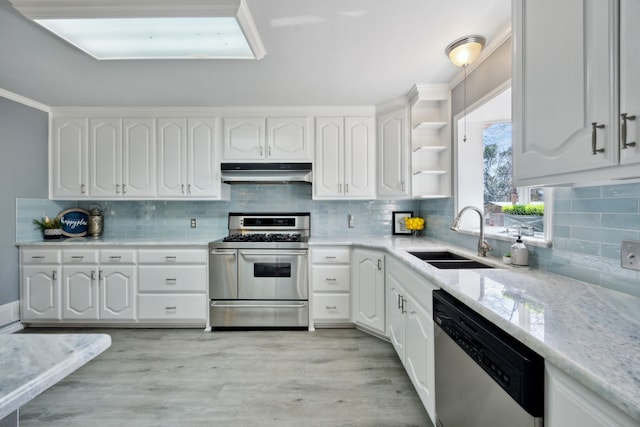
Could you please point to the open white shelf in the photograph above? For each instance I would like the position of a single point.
(430, 148)
(429, 125)
(430, 172)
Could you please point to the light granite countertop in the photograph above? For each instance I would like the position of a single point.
(121, 241)
(591, 333)
(31, 363)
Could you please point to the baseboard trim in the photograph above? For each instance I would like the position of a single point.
(12, 328)
(9, 316)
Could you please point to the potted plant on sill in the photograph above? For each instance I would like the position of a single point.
(51, 228)
(530, 215)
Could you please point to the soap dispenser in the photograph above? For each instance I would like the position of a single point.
(519, 253)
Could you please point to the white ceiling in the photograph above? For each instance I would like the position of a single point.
(319, 52)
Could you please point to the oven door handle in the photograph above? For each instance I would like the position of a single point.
(223, 305)
(223, 252)
(275, 252)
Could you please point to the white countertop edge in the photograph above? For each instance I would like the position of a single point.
(20, 396)
(626, 400)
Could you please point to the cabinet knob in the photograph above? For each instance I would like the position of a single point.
(623, 130)
(594, 138)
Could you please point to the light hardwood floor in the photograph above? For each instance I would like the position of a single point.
(178, 377)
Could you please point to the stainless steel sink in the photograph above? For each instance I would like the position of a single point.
(449, 260)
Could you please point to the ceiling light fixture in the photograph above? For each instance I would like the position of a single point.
(150, 29)
(462, 53)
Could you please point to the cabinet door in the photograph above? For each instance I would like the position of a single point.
(172, 163)
(629, 82)
(40, 293)
(117, 292)
(79, 293)
(69, 169)
(244, 138)
(419, 352)
(138, 158)
(368, 289)
(393, 153)
(105, 153)
(562, 89)
(202, 164)
(329, 159)
(359, 158)
(288, 139)
(394, 311)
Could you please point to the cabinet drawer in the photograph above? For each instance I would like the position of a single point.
(80, 256)
(41, 256)
(117, 256)
(177, 278)
(332, 278)
(332, 307)
(172, 256)
(172, 307)
(330, 256)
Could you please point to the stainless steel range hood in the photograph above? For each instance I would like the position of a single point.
(234, 173)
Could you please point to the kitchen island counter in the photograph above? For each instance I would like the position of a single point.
(589, 332)
(31, 363)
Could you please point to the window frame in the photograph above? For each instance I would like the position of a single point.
(547, 239)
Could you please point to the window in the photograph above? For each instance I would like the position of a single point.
(484, 175)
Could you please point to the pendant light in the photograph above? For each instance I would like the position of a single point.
(462, 53)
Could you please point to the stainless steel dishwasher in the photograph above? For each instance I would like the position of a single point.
(484, 377)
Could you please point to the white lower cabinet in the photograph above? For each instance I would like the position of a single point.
(40, 275)
(410, 328)
(569, 403)
(367, 290)
(79, 284)
(330, 278)
(172, 286)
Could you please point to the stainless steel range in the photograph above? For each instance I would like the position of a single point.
(258, 273)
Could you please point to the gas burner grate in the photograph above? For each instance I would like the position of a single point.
(263, 237)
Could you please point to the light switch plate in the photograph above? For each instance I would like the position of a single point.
(193, 223)
(352, 221)
(630, 254)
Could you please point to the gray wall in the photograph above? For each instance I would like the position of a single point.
(23, 168)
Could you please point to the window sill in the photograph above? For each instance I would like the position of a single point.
(493, 233)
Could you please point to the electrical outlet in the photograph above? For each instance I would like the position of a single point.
(630, 254)
(193, 223)
(352, 221)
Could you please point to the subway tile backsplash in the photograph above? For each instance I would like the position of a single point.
(132, 219)
(589, 224)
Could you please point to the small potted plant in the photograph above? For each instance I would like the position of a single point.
(51, 228)
(506, 258)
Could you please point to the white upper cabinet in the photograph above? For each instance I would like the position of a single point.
(69, 147)
(394, 179)
(187, 158)
(567, 96)
(344, 163)
(629, 82)
(121, 158)
(268, 139)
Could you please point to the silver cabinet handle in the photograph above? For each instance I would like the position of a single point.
(404, 305)
(124, 188)
(623, 131)
(37, 257)
(173, 307)
(77, 257)
(188, 188)
(100, 275)
(171, 280)
(330, 257)
(402, 185)
(339, 188)
(399, 301)
(261, 151)
(182, 186)
(115, 257)
(117, 188)
(331, 307)
(594, 138)
(83, 188)
(379, 265)
(331, 279)
(346, 188)
(93, 275)
(170, 258)
(54, 275)
(268, 150)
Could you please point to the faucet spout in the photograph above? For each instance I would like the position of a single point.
(483, 246)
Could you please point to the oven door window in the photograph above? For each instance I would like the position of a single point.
(272, 269)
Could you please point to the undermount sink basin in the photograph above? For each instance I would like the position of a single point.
(448, 260)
